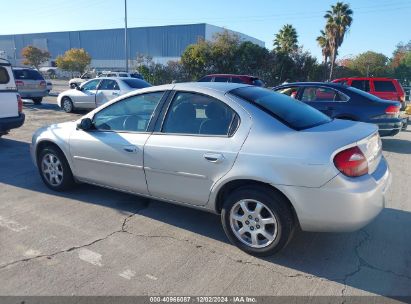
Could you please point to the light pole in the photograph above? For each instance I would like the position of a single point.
(125, 35)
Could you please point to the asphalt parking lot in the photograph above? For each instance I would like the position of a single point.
(93, 241)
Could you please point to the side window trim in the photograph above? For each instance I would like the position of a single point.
(166, 108)
(153, 119)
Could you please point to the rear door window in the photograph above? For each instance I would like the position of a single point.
(289, 91)
(363, 85)
(291, 112)
(192, 113)
(108, 85)
(384, 86)
(221, 79)
(321, 94)
(206, 79)
(4, 76)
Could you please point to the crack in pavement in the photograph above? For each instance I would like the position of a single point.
(122, 230)
(363, 263)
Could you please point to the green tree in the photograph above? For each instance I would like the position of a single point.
(324, 42)
(339, 19)
(286, 40)
(370, 64)
(34, 56)
(196, 59)
(74, 60)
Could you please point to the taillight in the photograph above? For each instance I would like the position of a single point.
(351, 162)
(19, 83)
(19, 103)
(402, 98)
(392, 110)
(43, 83)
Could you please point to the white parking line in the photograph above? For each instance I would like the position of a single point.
(127, 274)
(90, 257)
(151, 277)
(12, 225)
(32, 253)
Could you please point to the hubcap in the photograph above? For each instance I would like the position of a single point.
(253, 223)
(67, 105)
(52, 169)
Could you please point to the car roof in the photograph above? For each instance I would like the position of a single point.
(361, 78)
(222, 87)
(230, 75)
(328, 84)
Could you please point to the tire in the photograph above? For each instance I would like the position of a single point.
(54, 169)
(275, 211)
(67, 104)
(72, 85)
(37, 100)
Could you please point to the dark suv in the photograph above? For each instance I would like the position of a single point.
(30, 84)
(246, 79)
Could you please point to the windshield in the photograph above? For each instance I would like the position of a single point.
(293, 113)
(136, 83)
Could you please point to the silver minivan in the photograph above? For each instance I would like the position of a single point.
(30, 84)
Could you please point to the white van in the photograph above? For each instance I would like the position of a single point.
(11, 105)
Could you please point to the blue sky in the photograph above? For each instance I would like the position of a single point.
(378, 24)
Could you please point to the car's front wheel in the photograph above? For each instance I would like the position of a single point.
(54, 169)
(67, 105)
(257, 220)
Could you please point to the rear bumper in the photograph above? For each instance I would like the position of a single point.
(9, 123)
(343, 204)
(389, 127)
(30, 94)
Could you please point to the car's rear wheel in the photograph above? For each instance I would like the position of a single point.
(67, 105)
(257, 220)
(37, 100)
(54, 169)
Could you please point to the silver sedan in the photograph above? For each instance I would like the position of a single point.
(95, 92)
(266, 162)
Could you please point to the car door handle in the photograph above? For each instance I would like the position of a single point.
(214, 157)
(130, 149)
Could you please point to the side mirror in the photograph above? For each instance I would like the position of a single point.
(78, 87)
(85, 124)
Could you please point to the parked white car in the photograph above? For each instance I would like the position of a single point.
(11, 108)
(74, 82)
(98, 91)
(120, 74)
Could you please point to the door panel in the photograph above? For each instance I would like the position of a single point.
(183, 162)
(87, 98)
(110, 159)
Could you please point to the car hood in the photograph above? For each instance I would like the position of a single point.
(71, 92)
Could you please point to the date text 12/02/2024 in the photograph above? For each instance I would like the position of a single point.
(221, 299)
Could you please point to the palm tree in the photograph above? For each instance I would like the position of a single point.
(286, 40)
(324, 43)
(339, 19)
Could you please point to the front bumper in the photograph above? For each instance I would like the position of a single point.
(9, 123)
(343, 204)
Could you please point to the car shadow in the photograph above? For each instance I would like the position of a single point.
(396, 145)
(376, 259)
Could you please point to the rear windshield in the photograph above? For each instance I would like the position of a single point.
(293, 113)
(27, 74)
(362, 93)
(136, 83)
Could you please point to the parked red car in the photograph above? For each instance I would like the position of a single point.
(384, 88)
(233, 78)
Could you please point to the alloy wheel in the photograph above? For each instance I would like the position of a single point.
(52, 169)
(253, 223)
